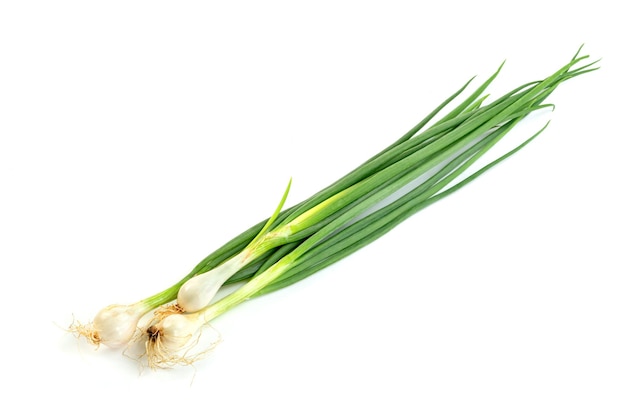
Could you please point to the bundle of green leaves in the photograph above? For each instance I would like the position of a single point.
(422, 167)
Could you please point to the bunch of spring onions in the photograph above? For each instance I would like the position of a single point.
(363, 205)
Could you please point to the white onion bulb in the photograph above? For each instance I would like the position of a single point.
(115, 325)
(168, 342)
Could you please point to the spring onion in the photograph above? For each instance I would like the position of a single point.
(412, 173)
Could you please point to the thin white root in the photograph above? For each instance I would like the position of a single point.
(86, 331)
(164, 311)
(160, 356)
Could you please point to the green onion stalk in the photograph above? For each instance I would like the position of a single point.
(352, 212)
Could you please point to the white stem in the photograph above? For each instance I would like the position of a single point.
(198, 291)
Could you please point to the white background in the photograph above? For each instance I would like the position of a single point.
(136, 137)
